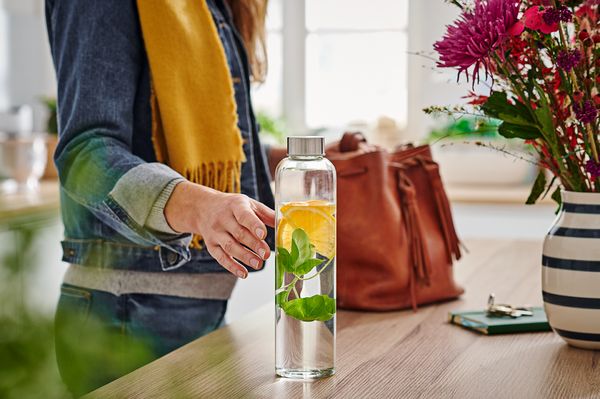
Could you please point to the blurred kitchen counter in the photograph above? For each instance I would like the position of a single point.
(497, 194)
(24, 206)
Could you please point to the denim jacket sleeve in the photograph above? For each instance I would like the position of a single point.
(98, 54)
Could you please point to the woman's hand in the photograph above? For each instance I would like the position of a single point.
(232, 225)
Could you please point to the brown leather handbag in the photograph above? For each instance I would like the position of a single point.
(396, 238)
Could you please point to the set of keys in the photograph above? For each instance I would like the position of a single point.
(502, 310)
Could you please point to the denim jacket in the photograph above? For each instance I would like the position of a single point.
(109, 176)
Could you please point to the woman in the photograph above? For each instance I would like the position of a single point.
(157, 136)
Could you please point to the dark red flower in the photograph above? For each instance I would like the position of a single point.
(572, 136)
(588, 10)
(586, 112)
(583, 35)
(533, 18)
(476, 99)
(593, 168)
(568, 59)
(554, 15)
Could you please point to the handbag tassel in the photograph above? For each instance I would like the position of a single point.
(421, 264)
(443, 207)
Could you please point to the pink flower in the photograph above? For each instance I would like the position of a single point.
(533, 19)
(473, 38)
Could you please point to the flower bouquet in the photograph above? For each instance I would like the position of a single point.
(543, 60)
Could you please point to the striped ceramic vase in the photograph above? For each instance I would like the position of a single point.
(571, 271)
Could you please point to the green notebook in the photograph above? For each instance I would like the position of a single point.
(478, 321)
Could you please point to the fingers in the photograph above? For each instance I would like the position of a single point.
(234, 234)
(265, 214)
(242, 235)
(227, 261)
(247, 217)
(234, 249)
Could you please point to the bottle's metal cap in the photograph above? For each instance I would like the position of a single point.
(306, 145)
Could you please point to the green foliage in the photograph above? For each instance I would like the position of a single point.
(517, 120)
(279, 268)
(465, 127)
(52, 123)
(28, 363)
(27, 357)
(557, 198)
(512, 131)
(538, 188)
(299, 261)
(306, 266)
(281, 297)
(543, 115)
(316, 307)
(271, 126)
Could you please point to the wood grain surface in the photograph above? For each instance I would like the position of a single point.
(44, 200)
(392, 354)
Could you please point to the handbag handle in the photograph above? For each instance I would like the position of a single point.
(351, 140)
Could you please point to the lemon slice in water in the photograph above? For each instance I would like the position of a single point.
(316, 218)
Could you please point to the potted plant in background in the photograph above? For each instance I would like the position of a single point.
(543, 58)
(52, 137)
(271, 129)
(464, 166)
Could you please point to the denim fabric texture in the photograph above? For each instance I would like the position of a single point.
(122, 333)
(105, 132)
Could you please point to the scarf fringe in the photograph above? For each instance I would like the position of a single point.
(221, 176)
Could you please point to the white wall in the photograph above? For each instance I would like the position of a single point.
(427, 84)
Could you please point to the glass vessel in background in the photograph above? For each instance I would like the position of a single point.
(305, 306)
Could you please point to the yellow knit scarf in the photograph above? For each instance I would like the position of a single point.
(194, 118)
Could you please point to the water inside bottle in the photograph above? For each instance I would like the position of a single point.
(305, 289)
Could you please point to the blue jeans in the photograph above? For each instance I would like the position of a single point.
(101, 336)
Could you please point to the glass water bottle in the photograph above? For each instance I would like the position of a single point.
(305, 306)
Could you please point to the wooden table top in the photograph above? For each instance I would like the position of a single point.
(22, 205)
(391, 355)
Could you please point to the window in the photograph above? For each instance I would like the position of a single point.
(268, 96)
(4, 57)
(333, 62)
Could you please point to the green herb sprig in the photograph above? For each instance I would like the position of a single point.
(300, 260)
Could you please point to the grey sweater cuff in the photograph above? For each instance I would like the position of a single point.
(157, 221)
(144, 189)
